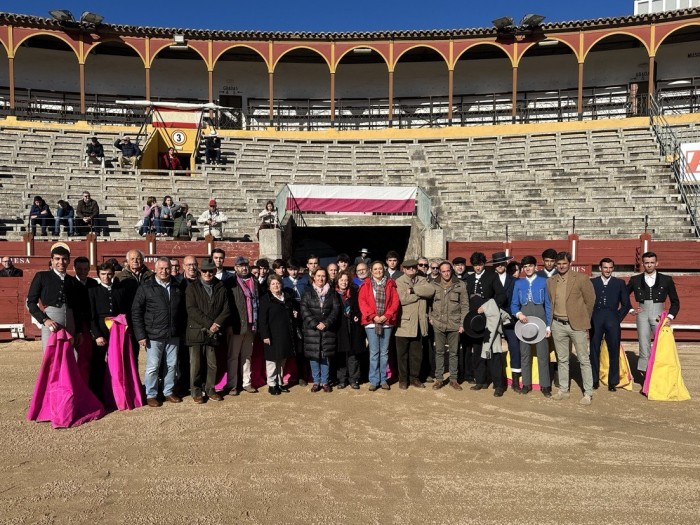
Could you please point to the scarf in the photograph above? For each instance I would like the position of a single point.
(209, 288)
(379, 295)
(322, 292)
(345, 297)
(251, 305)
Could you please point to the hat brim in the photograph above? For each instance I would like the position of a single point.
(541, 330)
(499, 261)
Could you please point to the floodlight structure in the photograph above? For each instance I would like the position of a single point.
(532, 21)
(179, 43)
(62, 15)
(504, 23)
(91, 19)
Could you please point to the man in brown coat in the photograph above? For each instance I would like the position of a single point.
(572, 297)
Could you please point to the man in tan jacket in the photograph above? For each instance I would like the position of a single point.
(572, 297)
(413, 291)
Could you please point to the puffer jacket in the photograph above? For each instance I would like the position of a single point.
(319, 344)
(156, 317)
(203, 311)
(450, 304)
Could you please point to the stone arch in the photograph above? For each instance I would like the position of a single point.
(110, 69)
(179, 75)
(242, 71)
(359, 46)
(43, 55)
(297, 48)
(234, 46)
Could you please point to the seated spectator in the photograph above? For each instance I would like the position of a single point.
(151, 218)
(64, 215)
(167, 212)
(95, 153)
(213, 148)
(182, 222)
(39, 213)
(170, 160)
(129, 153)
(268, 217)
(9, 269)
(87, 214)
(213, 220)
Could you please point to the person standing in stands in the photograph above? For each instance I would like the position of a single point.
(651, 289)
(213, 148)
(9, 269)
(158, 317)
(611, 306)
(61, 295)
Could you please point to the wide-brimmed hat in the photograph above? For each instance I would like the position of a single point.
(499, 258)
(207, 264)
(364, 250)
(212, 133)
(531, 332)
(475, 325)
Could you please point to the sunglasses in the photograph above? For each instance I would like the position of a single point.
(422, 265)
(434, 267)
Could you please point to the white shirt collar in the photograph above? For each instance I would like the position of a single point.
(61, 275)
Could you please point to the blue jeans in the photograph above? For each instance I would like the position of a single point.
(378, 354)
(65, 220)
(154, 355)
(319, 370)
(150, 225)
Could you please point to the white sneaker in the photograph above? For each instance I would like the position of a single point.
(585, 400)
(559, 396)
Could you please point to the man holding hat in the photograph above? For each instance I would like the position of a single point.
(213, 145)
(207, 313)
(530, 305)
(213, 220)
(499, 260)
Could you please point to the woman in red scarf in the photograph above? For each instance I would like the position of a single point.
(379, 306)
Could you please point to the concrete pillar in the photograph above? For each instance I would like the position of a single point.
(434, 244)
(270, 246)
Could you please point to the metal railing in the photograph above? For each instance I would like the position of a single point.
(688, 185)
(283, 197)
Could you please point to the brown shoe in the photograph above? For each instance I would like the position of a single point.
(385, 386)
(454, 384)
(437, 385)
(416, 383)
(403, 386)
(153, 402)
(316, 387)
(216, 397)
(198, 399)
(173, 398)
(326, 388)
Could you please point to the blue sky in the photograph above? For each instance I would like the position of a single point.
(324, 15)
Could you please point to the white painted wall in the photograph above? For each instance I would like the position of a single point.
(247, 79)
(362, 81)
(616, 67)
(483, 76)
(547, 73)
(115, 75)
(678, 60)
(179, 78)
(294, 80)
(47, 70)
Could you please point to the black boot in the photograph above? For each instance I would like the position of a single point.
(516, 382)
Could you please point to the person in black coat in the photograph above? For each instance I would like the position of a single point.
(158, 316)
(107, 299)
(320, 312)
(486, 285)
(276, 325)
(207, 312)
(351, 334)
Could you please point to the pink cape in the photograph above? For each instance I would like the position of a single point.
(60, 394)
(122, 383)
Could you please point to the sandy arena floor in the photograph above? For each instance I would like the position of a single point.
(415, 456)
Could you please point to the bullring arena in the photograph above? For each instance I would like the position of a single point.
(579, 136)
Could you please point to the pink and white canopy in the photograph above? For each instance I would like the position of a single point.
(352, 199)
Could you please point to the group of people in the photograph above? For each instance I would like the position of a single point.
(171, 219)
(339, 322)
(84, 218)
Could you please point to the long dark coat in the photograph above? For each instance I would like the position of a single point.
(351, 334)
(317, 344)
(276, 322)
(203, 310)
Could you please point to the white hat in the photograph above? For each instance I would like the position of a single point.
(531, 332)
(212, 133)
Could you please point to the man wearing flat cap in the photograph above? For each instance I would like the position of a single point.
(207, 313)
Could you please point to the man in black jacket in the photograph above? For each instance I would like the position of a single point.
(95, 152)
(207, 312)
(651, 289)
(61, 295)
(158, 317)
(486, 285)
(9, 269)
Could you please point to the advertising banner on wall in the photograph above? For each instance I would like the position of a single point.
(691, 153)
